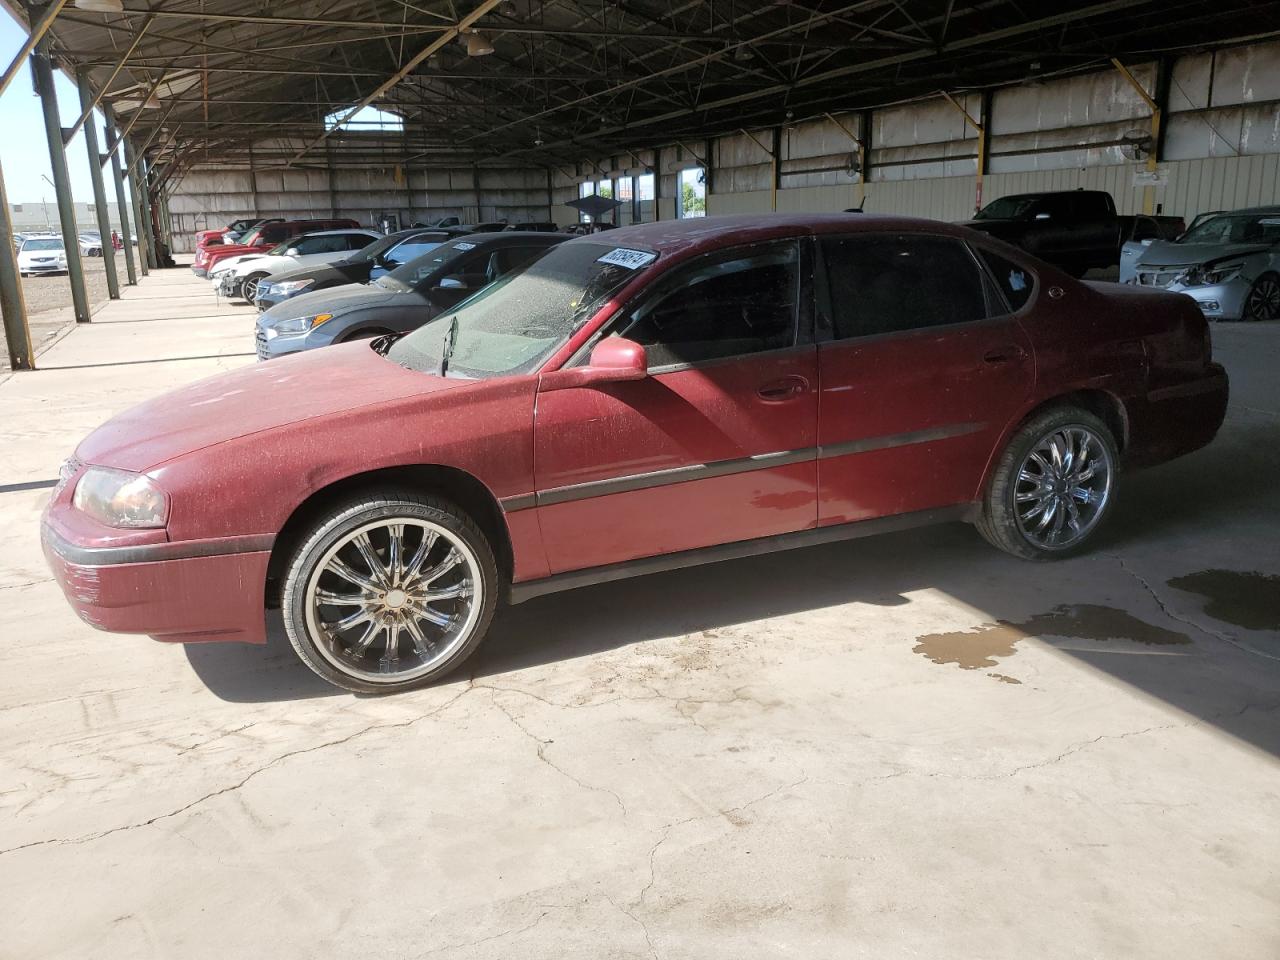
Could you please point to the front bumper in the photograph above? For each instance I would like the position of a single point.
(201, 272)
(53, 267)
(187, 592)
(1217, 301)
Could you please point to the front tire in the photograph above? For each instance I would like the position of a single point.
(390, 591)
(249, 287)
(1053, 486)
(1263, 301)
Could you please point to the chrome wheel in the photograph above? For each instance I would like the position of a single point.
(1264, 299)
(1062, 488)
(392, 599)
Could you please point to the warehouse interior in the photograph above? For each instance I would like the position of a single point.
(903, 747)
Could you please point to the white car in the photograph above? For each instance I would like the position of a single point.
(239, 276)
(42, 255)
(90, 244)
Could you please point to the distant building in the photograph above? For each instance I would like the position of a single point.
(27, 217)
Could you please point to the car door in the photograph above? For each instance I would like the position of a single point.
(922, 362)
(715, 445)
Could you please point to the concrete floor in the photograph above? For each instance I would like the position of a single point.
(910, 746)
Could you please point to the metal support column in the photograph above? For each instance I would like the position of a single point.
(551, 197)
(42, 70)
(866, 127)
(475, 183)
(143, 174)
(981, 130)
(333, 192)
(136, 204)
(17, 335)
(1157, 117)
(90, 130)
(112, 131)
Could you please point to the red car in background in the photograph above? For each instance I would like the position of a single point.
(263, 237)
(651, 398)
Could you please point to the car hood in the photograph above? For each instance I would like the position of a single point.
(230, 263)
(1166, 253)
(321, 270)
(311, 385)
(335, 300)
(254, 264)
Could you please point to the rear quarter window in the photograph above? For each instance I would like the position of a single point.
(1017, 283)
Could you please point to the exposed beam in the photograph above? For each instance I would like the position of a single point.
(447, 37)
(115, 71)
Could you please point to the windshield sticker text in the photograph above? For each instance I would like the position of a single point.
(631, 259)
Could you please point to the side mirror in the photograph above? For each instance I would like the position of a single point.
(291, 252)
(612, 360)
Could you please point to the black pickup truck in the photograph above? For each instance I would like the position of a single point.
(1072, 229)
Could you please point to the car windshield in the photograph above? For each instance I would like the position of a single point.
(1006, 208)
(1235, 228)
(513, 325)
(48, 243)
(366, 254)
(410, 275)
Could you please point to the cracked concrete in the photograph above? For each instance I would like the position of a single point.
(742, 760)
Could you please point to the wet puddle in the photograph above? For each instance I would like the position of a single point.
(1244, 599)
(982, 647)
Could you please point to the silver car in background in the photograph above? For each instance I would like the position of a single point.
(1228, 263)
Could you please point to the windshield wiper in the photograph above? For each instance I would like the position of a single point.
(447, 351)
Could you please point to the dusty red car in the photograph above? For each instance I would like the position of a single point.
(652, 398)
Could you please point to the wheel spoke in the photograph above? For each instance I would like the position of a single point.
(370, 556)
(462, 589)
(392, 652)
(1047, 518)
(366, 639)
(411, 569)
(435, 617)
(351, 620)
(339, 567)
(420, 641)
(339, 599)
(451, 560)
(395, 551)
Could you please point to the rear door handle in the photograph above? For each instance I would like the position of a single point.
(1005, 353)
(784, 389)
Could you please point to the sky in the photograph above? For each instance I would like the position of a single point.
(24, 152)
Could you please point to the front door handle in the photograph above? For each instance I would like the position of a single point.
(778, 390)
(1005, 353)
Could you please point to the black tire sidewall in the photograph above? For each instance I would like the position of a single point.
(340, 521)
(1249, 297)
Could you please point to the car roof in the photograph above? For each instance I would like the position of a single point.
(710, 233)
(1251, 210)
(338, 231)
(506, 237)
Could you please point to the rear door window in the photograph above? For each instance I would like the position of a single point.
(887, 284)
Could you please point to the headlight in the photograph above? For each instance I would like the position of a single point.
(298, 324)
(1219, 273)
(290, 286)
(119, 498)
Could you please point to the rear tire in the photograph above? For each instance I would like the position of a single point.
(1053, 486)
(391, 590)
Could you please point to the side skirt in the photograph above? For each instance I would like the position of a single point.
(571, 580)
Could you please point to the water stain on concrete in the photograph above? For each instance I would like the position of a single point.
(983, 646)
(1244, 599)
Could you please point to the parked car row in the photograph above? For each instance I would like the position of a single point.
(567, 411)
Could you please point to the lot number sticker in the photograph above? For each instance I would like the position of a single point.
(463, 245)
(631, 259)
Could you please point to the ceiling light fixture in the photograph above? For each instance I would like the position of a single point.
(477, 45)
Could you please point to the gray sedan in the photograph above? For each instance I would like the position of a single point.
(401, 301)
(1229, 264)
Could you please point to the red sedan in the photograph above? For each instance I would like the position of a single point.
(652, 398)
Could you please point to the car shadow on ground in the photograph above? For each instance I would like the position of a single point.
(1207, 678)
